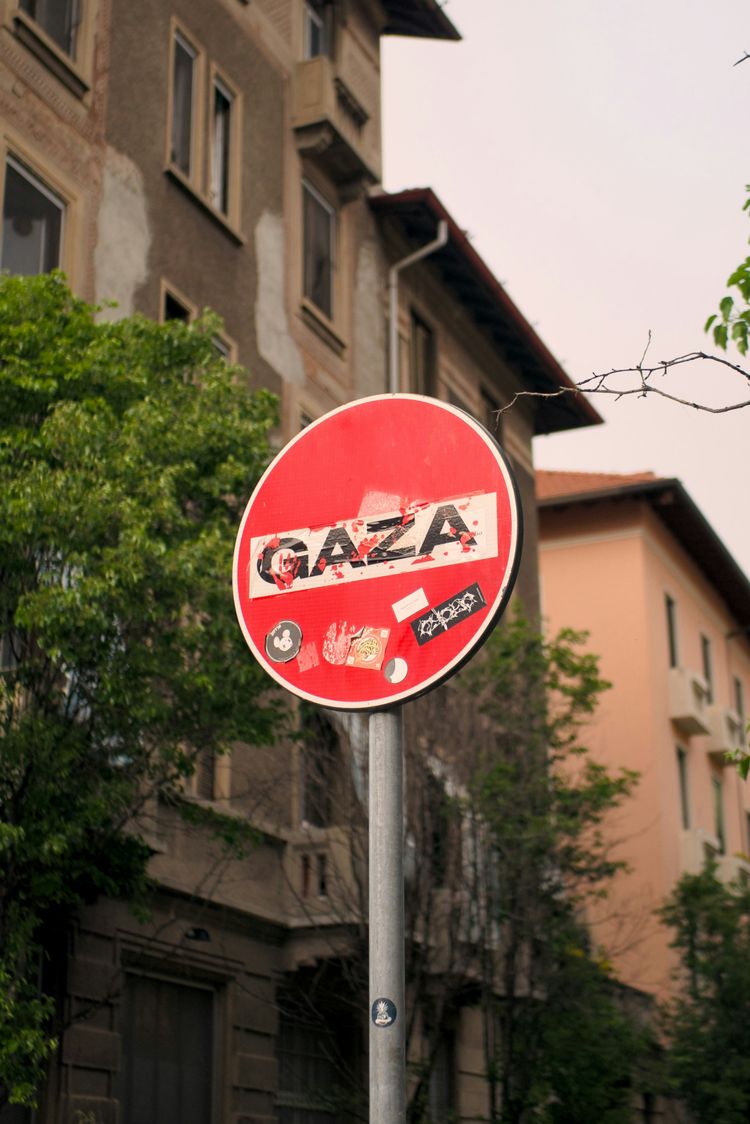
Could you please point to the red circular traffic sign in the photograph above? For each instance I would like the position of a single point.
(377, 552)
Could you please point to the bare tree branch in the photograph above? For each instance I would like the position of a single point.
(743, 59)
(597, 383)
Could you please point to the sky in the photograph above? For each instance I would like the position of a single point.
(595, 152)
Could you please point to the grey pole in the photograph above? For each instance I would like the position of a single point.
(387, 1013)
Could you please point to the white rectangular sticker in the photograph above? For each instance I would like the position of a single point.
(424, 536)
(408, 606)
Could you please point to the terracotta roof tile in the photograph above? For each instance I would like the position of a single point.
(551, 485)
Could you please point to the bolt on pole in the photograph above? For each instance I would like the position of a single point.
(387, 988)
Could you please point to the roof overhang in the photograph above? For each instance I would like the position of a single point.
(418, 211)
(671, 504)
(424, 19)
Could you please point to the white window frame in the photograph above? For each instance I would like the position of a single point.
(22, 168)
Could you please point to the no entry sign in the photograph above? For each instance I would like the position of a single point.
(377, 551)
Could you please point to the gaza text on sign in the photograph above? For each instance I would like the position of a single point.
(443, 533)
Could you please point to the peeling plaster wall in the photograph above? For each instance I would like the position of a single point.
(123, 237)
(275, 343)
(369, 323)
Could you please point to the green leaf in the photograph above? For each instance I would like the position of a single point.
(726, 304)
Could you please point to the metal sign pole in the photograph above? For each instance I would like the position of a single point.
(386, 845)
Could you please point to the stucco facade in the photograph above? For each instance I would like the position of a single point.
(631, 560)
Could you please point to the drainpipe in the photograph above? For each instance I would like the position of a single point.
(393, 272)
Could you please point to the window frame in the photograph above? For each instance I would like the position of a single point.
(73, 69)
(422, 380)
(196, 980)
(683, 782)
(42, 188)
(316, 195)
(717, 794)
(670, 608)
(198, 181)
(707, 666)
(37, 165)
(169, 291)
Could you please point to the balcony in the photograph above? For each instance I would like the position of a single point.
(335, 116)
(734, 868)
(688, 701)
(724, 732)
(697, 847)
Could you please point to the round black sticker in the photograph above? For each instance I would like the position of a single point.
(283, 641)
(384, 1012)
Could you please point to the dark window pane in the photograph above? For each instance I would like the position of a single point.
(422, 357)
(318, 251)
(319, 751)
(175, 309)
(671, 609)
(167, 1041)
(32, 223)
(59, 18)
(182, 105)
(222, 113)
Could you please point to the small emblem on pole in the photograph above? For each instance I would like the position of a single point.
(384, 1012)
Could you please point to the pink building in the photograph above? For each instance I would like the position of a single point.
(633, 561)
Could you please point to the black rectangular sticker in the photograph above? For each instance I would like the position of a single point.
(451, 612)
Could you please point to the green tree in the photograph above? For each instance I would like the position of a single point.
(708, 1024)
(559, 1045)
(127, 451)
(507, 851)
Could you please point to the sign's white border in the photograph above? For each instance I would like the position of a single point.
(495, 609)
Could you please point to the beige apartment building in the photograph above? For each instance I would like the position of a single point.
(227, 153)
(633, 561)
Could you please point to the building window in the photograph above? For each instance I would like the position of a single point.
(739, 704)
(175, 305)
(671, 610)
(707, 668)
(204, 128)
(184, 66)
(492, 418)
(60, 20)
(442, 1083)
(319, 248)
(317, 29)
(168, 1049)
(32, 223)
(308, 1073)
(718, 799)
(221, 137)
(423, 379)
(682, 774)
(319, 751)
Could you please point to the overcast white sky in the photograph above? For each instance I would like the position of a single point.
(596, 152)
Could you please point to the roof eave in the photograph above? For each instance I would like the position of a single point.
(560, 406)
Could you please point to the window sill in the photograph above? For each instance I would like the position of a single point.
(57, 62)
(220, 219)
(321, 325)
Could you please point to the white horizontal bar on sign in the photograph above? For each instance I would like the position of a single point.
(426, 536)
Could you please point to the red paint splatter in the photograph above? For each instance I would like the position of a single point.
(321, 563)
(467, 541)
(423, 558)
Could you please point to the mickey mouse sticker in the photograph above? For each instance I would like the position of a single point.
(283, 641)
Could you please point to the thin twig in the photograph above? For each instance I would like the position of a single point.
(596, 383)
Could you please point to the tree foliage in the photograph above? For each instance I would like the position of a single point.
(524, 849)
(731, 323)
(559, 1045)
(127, 451)
(708, 1024)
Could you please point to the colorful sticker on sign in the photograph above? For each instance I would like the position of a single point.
(445, 533)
